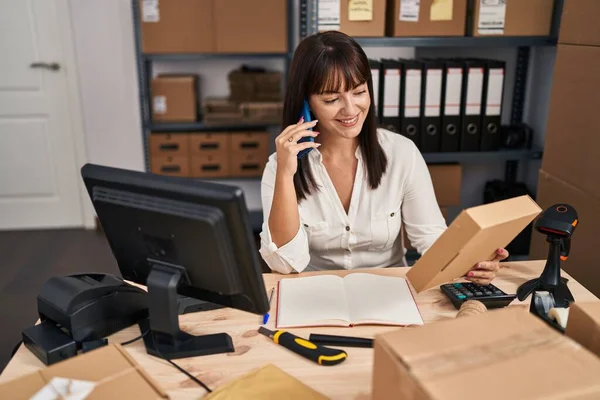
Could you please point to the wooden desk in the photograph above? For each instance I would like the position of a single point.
(349, 380)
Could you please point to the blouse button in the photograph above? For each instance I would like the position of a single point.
(306, 225)
(392, 214)
(347, 228)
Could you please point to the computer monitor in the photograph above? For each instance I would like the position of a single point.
(177, 235)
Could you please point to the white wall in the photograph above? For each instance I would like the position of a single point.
(105, 56)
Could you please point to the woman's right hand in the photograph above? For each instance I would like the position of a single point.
(287, 146)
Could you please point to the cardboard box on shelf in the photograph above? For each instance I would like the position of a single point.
(507, 353)
(250, 26)
(249, 153)
(254, 86)
(183, 26)
(218, 109)
(427, 18)
(447, 180)
(579, 22)
(511, 18)
(363, 19)
(174, 98)
(170, 165)
(262, 111)
(474, 235)
(172, 144)
(582, 261)
(211, 165)
(113, 372)
(583, 325)
(572, 142)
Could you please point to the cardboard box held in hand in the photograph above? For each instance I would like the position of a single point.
(501, 354)
(473, 236)
(107, 373)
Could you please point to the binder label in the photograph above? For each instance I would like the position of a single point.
(453, 91)
(409, 10)
(412, 95)
(433, 93)
(391, 93)
(474, 91)
(329, 15)
(494, 91)
(375, 76)
(492, 14)
(150, 11)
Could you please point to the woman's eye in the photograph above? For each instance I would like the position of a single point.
(361, 92)
(330, 101)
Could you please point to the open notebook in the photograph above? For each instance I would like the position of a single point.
(358, 298)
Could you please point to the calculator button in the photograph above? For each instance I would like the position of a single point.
(478, 294)
(469, 294)
(498, 292)
(461, 296)
(457, 285)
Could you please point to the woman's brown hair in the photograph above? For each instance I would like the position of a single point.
(325, 62)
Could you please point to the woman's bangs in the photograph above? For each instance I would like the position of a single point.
(331, 76)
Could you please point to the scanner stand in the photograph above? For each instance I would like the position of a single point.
(549, 290)
(162, 336)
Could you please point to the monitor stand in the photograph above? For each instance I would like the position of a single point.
(164, 338)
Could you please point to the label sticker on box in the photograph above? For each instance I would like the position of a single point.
(409, 10)
(159, 104)
(360, 10)
(492, 15)
(329, 15)
(150, 11)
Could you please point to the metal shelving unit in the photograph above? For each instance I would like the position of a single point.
(145, 62)
(523, 44)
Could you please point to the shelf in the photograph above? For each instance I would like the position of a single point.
(206, 127)
(483, 157)
(208, 56)
(459, 41)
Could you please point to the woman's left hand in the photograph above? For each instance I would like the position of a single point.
(485, 271)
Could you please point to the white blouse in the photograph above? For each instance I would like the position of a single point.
(369, 235)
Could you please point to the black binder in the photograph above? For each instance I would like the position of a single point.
(451, 105)
(471, 105)
(389, 95)
(493, 89)
(377, 81)
(410, 100)
(431, 95)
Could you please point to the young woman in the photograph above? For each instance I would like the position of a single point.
(341, 206)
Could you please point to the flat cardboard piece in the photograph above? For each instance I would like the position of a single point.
(268, 382)
(522, 18)
(436, 18)
(121, 377)
(583, 325)
(572, 140)
(474, 236)
(579, 22)
(506, 354)
(583, 257)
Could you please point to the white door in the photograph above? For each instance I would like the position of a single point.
(39, 176)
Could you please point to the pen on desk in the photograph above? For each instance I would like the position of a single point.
(266, 316)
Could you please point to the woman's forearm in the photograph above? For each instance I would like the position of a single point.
(284, 219)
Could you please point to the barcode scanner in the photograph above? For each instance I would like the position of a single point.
(558, 223)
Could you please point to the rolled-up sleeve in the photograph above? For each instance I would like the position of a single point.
(421, 215)
(293, 256)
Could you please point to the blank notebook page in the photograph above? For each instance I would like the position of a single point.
(309, 300)
(386, 299)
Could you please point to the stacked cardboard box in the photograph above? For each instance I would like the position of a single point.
(210, 154)
(446, 179)
(571, 165)
(175, 98)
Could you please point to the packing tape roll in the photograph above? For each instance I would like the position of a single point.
(560, 315)
(471, 307)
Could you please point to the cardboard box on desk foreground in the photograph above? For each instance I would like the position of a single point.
(473, 236)
(501, 354)
(583, 325)
(121, 376)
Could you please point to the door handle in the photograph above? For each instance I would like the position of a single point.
(49, 66)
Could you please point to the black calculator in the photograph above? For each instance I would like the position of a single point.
(489, 295)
